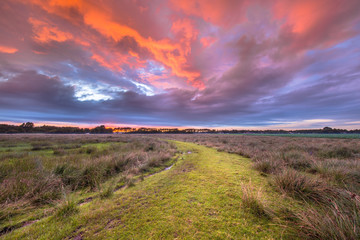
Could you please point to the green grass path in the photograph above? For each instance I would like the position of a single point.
(198, 198)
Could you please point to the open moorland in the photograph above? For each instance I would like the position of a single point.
(322, 174)
(180, 186)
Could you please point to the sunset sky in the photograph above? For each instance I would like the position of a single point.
(215, 63)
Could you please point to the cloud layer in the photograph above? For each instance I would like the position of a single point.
(213, 63)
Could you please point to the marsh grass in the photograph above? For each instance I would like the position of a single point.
(319, 172)
(302, 187)
(339, 219)
(35, 175)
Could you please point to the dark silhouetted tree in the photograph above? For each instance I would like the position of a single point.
(28, 127)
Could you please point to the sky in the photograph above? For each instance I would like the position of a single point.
(254, 64)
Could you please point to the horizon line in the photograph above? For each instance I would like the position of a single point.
(227, 128)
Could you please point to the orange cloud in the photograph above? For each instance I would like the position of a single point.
(104, 62)
(66, 3)
(172, 54)
(44, 32)
(186, 32)
(5, 49)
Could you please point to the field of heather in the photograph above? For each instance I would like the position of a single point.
(178, 186)
(322, 173)
(42, 171)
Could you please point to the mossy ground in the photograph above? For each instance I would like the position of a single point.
(198, 198)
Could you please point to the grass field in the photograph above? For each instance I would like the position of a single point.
(185, 187)
(40, 172)
(310, 135)
(322, 173)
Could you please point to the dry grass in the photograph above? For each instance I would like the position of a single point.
(337, 220)
(35, 168)
(252, 201)
(322, 173)
(303, 187)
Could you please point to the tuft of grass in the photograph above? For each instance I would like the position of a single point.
(91, 176)
(108, 192)
(302, 187)
(251, 200)
(68, 208)
(129, 181)
(265, 166)
(287, 215)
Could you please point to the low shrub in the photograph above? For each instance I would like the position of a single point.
(302, 187)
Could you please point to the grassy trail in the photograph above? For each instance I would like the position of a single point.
(198, 198)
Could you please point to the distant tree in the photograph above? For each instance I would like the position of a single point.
(101, 129)
(27, 126)
(328, 130)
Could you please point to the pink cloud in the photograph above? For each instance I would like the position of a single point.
(6, 49)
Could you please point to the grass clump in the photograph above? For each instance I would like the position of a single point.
(129, 181)
(108, 192)
(302, 187)
(265, 166)
(251, 200)
(68, 208)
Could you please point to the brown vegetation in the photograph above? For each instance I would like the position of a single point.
(41, 169)
(322, 173)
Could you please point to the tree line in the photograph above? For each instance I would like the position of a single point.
(29, 127)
